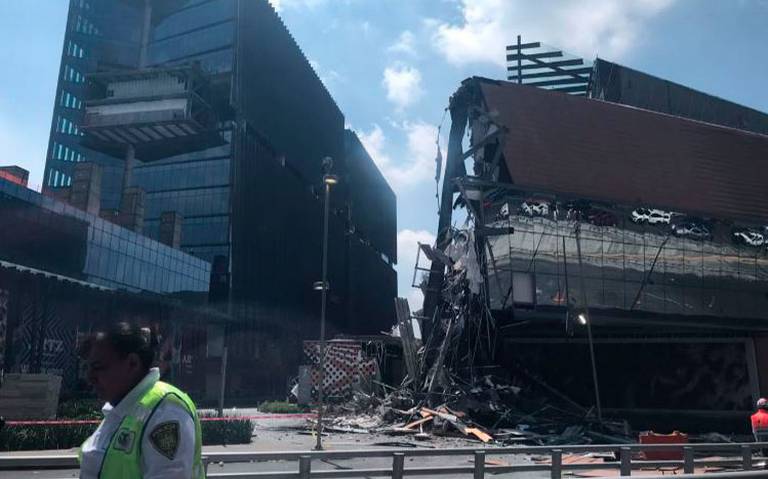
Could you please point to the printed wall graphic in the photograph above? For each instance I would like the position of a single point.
(44, 343)
(345, 366)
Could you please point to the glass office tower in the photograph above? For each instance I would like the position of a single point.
(252, 204)
(108, 36)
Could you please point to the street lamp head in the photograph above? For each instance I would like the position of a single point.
(327, 164)
(582, 317)
(330, 180)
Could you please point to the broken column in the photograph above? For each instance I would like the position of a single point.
(170, 228)
(85, 192)
(132, 209)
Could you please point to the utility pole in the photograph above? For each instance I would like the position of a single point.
(328, 181)
(588, 324)
(223, 382)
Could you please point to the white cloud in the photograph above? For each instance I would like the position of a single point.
(407, 246)
(582, 27)
(281, 5)
(404, 44)
(403, 85)
(417, 164)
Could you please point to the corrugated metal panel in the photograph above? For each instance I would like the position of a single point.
(604, 151)
(619, 84)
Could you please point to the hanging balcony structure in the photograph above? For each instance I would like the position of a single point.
(159, 112)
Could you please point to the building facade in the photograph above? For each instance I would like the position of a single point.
(65, 272)
(649, 227)
(250, 202)
(55, 237)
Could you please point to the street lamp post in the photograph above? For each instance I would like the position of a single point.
(328, 181)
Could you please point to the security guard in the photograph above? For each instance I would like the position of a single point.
(150, 429)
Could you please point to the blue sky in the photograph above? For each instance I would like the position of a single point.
(391, 65)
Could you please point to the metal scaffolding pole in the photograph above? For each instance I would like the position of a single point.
(588, 324)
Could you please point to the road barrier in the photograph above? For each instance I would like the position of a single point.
(741, 458)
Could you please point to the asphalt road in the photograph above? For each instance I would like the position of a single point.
(282, 435)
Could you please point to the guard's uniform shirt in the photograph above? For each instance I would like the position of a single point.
(760, 425)
(167, 446)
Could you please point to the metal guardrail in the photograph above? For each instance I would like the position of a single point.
(743, 460)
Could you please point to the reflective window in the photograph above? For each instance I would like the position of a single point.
(58, 179)
(205, 231)
(71, 74)
(68, 100)
(67, 127)
(193, 43)
(193, 17)
(85, 26)
(629, 266)
(182, 175)
(74, 50)
(198, 202)
(65, 153)
(220, 61)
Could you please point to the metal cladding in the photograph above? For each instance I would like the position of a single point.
(619, 84)
(600, 150)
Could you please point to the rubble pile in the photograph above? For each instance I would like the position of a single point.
(451, 387)
(490, 410)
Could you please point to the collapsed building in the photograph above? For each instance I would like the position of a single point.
(609, 239)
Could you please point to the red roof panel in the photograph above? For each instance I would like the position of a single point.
(605, 151)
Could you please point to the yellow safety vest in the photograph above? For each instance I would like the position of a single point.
(123, 457)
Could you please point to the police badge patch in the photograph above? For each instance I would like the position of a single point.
(124, 440)
(165, 438)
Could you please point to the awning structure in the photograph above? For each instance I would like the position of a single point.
(197, 303)
(6, 265)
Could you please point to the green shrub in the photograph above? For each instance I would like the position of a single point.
(281, 407)
(56, 436)
(80, 409)
(66, 436)
(230, 431)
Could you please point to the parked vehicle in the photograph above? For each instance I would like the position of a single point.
(577, 210)
(534, 208)
(690, 229)
(583, 211)
(651, 216)
(748, 237)
(504, 211)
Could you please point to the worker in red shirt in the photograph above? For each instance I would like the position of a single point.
(760, 421)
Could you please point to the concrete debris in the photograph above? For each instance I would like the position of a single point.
(463, 254)
(490, 410)
(453, 388)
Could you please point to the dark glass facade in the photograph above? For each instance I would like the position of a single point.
(195, 185)
(253, 204)
(53, 236)
(629, 266)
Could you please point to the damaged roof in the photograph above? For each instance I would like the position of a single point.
(605, 151)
